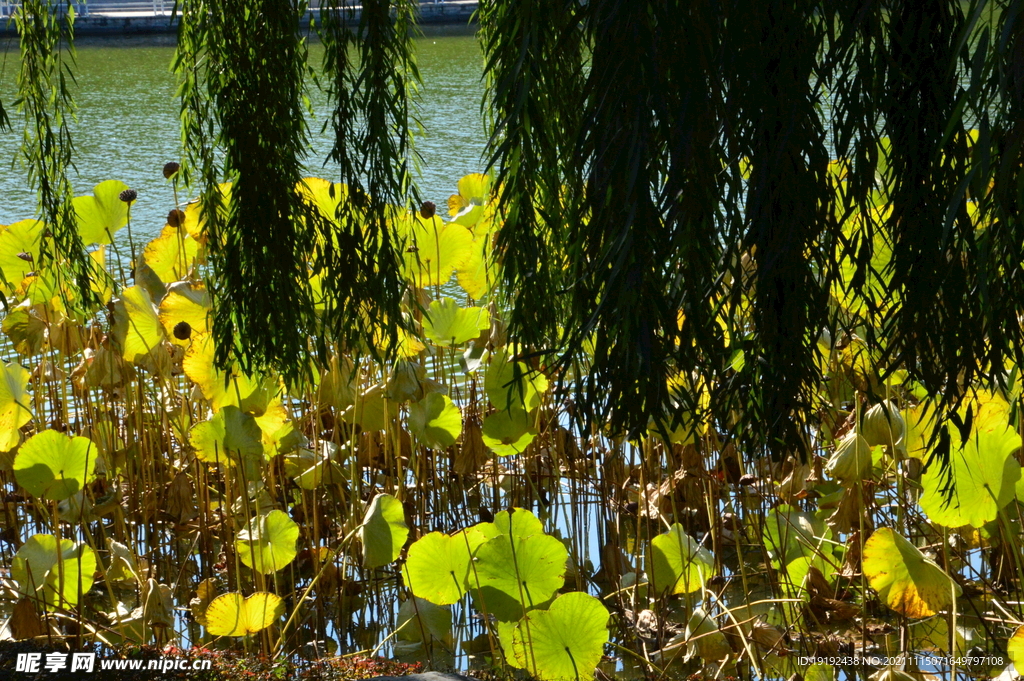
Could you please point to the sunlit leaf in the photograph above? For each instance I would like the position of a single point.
(437, 567)
(137, 328)
(1015, 649)
(983, 472)
(99, 216)
(679, 564)
(185, 312)
(19, 250)
(232, 615)
(421, 620)
(447, 324)
(14, 404)
(172, 254)
(269, 542)
(251, 394)
(514, 574)
(512, 383)
(508, 432)
(433, 249)
(61, 574)
(384, 531)
(905, 579)
(566, 641)
(55, 466)
(230, 432)
(435, 421)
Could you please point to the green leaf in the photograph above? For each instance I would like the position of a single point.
(383, 531)
(512, 383)
(14, 401)
(61, 574)
(421, 620)
(102, 214)
(516, 574)
(790, 534)
(679, 565)
(566, 641)
(905, 579)
(437, 567)
(55, 466)
(435, 421)
(508, 432)
(447, 324)
(137, 327)
(984, 474)
(433, 249)
(232, 615)
(19, 250)
(269, 544)
(228, 433)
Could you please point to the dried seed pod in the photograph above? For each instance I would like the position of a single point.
(170, 169)
(128, 195)
(176, 218)
(428, 210)
(182, 331)
(27, 257)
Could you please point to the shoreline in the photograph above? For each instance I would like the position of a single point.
(434, 19)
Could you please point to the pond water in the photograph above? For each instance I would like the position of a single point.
(127, 126)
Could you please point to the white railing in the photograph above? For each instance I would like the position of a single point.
(9, 7)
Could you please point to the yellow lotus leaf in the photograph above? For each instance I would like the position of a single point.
(26, 328)
(172, 254)
(138, 331)
(195, 222)
(432, 248)
(1015, 649)
(232, 615)
(185, 312)
(19, 250)
(906, 580)
(14, 404)
(251, 394)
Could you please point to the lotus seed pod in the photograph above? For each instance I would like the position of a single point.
(27, 257)
(851, 461)
(428, 210)
(182, 331)
(176, 218)
(128, 195)
(170, 169)
(882, 425)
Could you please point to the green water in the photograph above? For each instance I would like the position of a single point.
(128, 128)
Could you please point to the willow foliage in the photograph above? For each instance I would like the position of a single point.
(685, 219)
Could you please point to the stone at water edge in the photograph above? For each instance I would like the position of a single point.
(425, 676)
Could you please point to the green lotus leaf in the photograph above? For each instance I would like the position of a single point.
(19, 250)
(26, 328)
(101, 214)
(984, 474)
(383, 531)
(269, 542)
(790, 534)
(679, 564)
(447, 324)
(905, 579)
(518, 523)
(421, 620)
(14, 401)
(437, 567)
(433, 249)
(372, 409)
(228, 433)
(508, 432)
(233, 615)
(477, 273)
(61, 574)
(55, 466)
(514, 574)
(512, 383)
(435, 421)
(251, 394)
(564, 642)
(475, 188)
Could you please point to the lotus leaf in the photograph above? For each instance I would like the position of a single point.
(269, 542)
(566, 641)
(137, 327)
(790, 534)
(55, 466)
(229, 433)
(514, 574)
(62, 574)
(372, 410)
(433, 249)
(421, 620)
(232, 615)
(447, 324)
(14, 401)
(172, 254)
(26, 328)
(905, 579)
(383, 531)
(195, 221)
(1015, 649)
(102, 214)
(251, 394)
(984, 474)
(512, 383)
(437, 567)
(19, 250)
(508, 432)
(189, 304)
(679, 564)
(435, 421)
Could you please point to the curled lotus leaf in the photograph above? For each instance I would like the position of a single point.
(906, 580)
